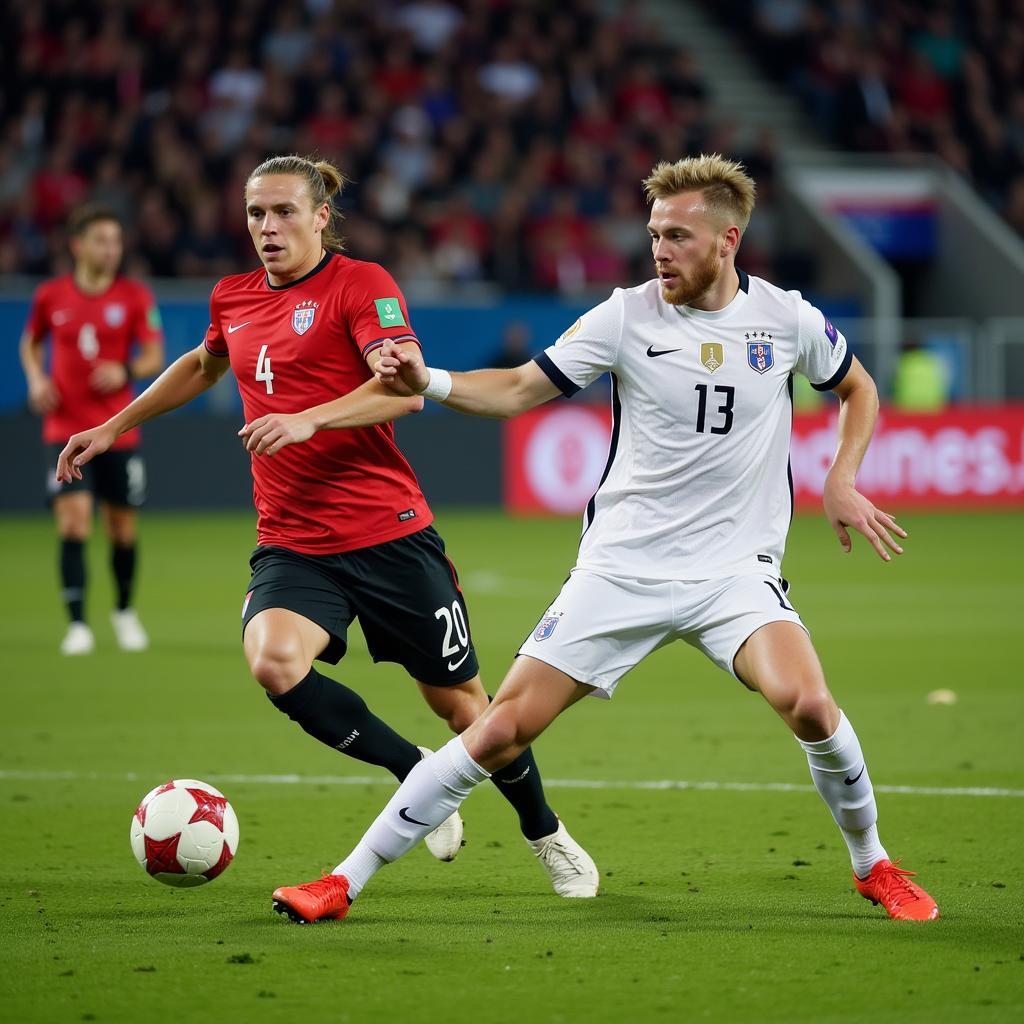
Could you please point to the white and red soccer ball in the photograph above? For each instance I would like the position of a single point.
(184, 833)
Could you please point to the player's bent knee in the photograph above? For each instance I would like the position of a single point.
(500, 737)
(459, 706)
(123, 536)
(277, 670)
(74, 527)
(814, 711)
(463, 713)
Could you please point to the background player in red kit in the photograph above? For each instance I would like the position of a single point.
(343, 528)
(104, 331)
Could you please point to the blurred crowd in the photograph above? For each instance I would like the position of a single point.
(484, 140)
(905, 76)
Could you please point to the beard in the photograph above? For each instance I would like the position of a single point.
(704, 275)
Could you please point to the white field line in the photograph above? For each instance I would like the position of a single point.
(15, 775)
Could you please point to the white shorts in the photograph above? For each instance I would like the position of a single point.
(599, 627)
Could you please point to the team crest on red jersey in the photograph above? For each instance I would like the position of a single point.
(302, 316)
(114, 314)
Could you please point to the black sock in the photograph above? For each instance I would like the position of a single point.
(72, 578)
(123, 560)
(520, 784)
(339, 717)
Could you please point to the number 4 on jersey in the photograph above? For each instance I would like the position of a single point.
(263, 370)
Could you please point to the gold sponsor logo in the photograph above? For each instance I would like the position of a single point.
(711, 355)
(571, 331)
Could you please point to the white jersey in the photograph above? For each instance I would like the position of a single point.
(697, 484)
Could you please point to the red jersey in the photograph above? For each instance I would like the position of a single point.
(85, 329)
(302, 344)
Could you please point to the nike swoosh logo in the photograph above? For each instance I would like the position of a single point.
(406, 817)
(849, 781)
(237, 327)
(453, 665)
(655, 352)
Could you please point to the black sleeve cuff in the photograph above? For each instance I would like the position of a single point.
(555, 375)
(836, 379)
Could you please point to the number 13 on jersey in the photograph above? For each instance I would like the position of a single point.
(263, 371)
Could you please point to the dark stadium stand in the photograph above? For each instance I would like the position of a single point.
(917, 76)
(484, 140)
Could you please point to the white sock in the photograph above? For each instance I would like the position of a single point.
(431, 792)
(359, 867)
(841, 777)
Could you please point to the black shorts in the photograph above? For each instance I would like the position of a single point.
(405, 594)
(117, 477)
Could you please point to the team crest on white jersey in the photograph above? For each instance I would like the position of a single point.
(546, 626)
(760, 356)
(114, 314)
(712, 355)
(302, 316)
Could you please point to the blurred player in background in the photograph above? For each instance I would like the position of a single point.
(104, 332)
(344, 530)
(685, 536)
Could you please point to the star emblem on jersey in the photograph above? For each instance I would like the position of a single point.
(760, 354)
(302, 316)
(712, 355)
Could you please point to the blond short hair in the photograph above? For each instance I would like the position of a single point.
(727, 189)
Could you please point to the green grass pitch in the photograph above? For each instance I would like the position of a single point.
(720, 904)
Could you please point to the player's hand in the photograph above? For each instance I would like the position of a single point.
(82, 448)
(43, 396)
(846, 507)
(108, 376)
(269, 434)
(401, 370)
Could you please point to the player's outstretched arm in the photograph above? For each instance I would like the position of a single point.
(498, 393)
(367, 405)
(845, 507)
(183, 380)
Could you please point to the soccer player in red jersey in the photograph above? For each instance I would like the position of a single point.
(104, 331)
(343, 528)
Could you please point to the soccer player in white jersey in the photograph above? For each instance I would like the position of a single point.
(685, 536)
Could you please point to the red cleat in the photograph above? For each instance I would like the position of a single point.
(891, 886)
(323, 900)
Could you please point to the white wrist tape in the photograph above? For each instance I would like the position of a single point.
(439, 387)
